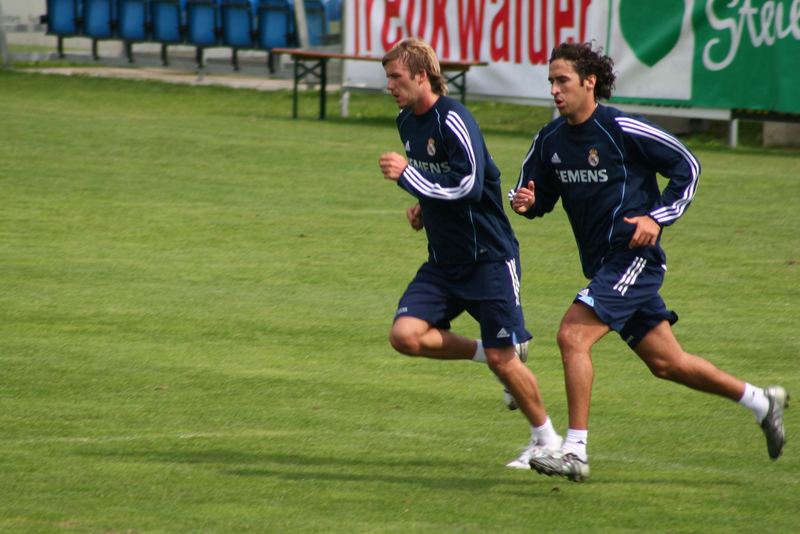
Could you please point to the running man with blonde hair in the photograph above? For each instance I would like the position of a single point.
(473, 256)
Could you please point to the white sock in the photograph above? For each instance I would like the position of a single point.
(576, 442)
(754, 399)
(545, 434)
(480, 355)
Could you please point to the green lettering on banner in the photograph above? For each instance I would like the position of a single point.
(747, 54)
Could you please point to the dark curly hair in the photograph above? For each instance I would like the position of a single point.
(588, 61)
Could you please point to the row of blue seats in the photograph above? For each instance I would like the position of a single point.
(238, 24)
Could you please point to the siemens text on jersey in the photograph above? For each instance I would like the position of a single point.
(438, 168)
(582, 175)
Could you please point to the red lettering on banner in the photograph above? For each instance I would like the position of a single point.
(500, 25)
(518, 33)
(584, 9)
(471, 24)
(440, 27)
(410, 15)
(392, 11)
(370, 5)
(537, 32)
(563, 17)
(423, 17)
(569, 19)
(499, 52)
(356, 9)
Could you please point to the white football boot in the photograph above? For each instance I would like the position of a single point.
(561, 463)
(772, 424)
(534, 449)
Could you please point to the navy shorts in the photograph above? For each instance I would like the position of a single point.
(624, 293)
(488, 291)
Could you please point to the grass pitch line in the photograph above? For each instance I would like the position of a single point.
(147, 437)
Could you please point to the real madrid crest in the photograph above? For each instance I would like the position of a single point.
(594, 157)
(431, 147)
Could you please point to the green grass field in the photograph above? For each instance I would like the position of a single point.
(197, 292)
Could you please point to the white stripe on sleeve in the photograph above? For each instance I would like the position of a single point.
(431, 189)
(676, 209)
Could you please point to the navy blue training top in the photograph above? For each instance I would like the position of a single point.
(604, 170)
(457, 184)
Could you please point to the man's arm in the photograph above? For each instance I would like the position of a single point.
(533, 195)
(463, 181)
(670, 158)
(392, 165)
(524, 198)
(646, 233)
(414, 216)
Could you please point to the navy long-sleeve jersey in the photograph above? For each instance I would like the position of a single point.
(457, 184)
(605, 170)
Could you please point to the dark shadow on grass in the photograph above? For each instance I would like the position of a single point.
(305, 468)
(232, 457)
(511, 482)
(402, 471)
(394, 476)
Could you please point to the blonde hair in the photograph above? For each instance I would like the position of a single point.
(418, 56)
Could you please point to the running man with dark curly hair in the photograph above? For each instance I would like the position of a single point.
(602, 164)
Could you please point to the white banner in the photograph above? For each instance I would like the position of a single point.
(724, 54)
(514, 36)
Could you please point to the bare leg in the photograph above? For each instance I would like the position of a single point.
(580, 329)
(520, 381)
(415, 337)
(665, 358)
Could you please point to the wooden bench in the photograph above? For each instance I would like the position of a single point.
(318, 67)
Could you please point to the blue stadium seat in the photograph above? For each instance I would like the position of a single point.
(275, 26)
(238, 26)
(99, 18)
(133, 18)
(238, 23)
(202, 25)
(333, 10)
(99, 21)
(202, 22)
(64, 19)
(133, 23)
(168, 23)
(316, 22)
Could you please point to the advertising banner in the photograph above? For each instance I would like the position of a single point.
(726, 54)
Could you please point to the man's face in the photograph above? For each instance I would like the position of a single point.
(405, 89)
(573, 99)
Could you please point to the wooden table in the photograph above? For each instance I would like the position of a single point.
(318, 66)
